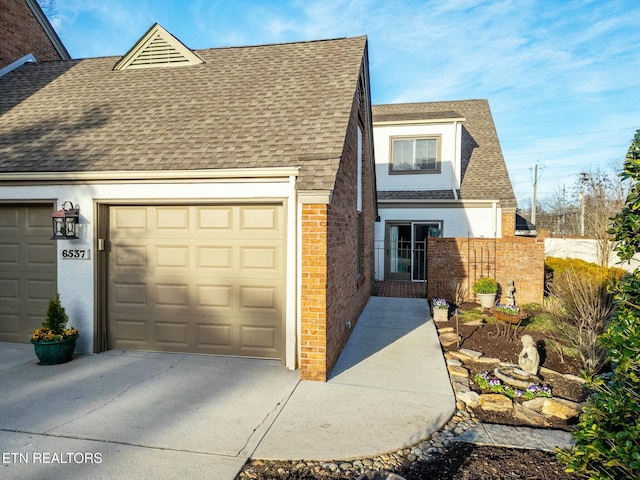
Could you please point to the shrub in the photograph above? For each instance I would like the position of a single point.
(485, 285)
(581, 307)
(608, 432)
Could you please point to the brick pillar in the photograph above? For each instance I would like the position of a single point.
(313, 341)
(508, 223)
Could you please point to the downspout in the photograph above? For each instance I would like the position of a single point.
(494, 215)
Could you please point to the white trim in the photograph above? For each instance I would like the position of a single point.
(322, 197)
(18, 63)
(146, 175)
(419, 121)
(48, 29)
(291, 281)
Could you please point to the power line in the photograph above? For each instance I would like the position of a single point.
(572, 134)
(567, 150)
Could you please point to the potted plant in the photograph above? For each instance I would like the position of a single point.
(54, 343)
(440, 309)
(486, 288)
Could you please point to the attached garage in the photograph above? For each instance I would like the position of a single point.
(27, 269)
(197, 278)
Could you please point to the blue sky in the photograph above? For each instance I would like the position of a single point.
(562, 77)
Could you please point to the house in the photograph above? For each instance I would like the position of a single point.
(26, 35)
(447, 210)
(226, 198)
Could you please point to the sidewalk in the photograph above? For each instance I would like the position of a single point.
(148, 415)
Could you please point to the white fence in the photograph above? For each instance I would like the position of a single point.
(584, 249)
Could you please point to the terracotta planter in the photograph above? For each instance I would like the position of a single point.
(54, 353)
(440, 314)
(487, 300)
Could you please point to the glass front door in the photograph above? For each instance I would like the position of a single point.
(406, 249)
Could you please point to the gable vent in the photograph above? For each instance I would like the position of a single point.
(158, 48)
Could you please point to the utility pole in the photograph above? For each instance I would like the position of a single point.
(533, 201)
(585, 178)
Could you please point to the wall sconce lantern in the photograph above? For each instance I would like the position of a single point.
(65, 222)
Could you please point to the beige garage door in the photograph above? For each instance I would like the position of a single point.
(27, 269)
(202, 279)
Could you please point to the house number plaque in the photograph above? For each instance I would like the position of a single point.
(75, 253)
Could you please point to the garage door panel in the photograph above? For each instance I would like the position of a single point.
(215, 218)
(129, 256)
(40, 254)
(219, 257)
(214, 281)
(10, 255)
(135, 218)
(214, 296)
(129, 295)
(27, 269)
(172, 334)
(171, 296)
(10, 327)
(172, 256)
(216, 336)
(174, 219)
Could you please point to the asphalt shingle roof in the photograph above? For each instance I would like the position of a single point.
(484, 173)
(260, 106)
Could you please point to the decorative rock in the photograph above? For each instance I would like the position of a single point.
(460, 405)
(487, 360)
(548, 371)
(454, 361)
(458, 355)
(535, 404)
(458, 371)
(574, 378)
(475, 323)
(515, 377)
(470, 353)
(470, 398)
(447, 339)
(446, 330)
(529, 416)
(495, 402)
(559, 408)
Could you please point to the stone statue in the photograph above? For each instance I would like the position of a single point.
(529, 359)
(509, 291)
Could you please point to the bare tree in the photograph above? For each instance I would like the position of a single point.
(605, 195)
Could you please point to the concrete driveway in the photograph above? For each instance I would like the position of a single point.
(158, 415)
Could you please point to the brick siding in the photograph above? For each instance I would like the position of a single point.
(333, 293)
(463, 260)
(21, 34)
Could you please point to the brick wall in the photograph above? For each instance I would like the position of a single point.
(21, 34)
(333, 293)
(313, 344)
(508, 219)
(461, 260)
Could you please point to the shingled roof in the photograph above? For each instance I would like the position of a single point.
(277, 105)
(484, 173)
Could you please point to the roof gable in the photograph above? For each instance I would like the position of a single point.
(484, 172)
(279, 105)
(158, 48)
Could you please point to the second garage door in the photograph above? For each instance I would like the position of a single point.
(197, 278)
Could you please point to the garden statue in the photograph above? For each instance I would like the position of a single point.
(529, 359)
(510, 290)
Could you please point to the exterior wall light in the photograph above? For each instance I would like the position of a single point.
(65, 222)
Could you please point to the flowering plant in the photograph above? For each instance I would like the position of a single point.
(493, 384)
(440, 303)
(508, 309)
(54, 328)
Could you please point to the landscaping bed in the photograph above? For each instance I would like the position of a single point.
(493, 346)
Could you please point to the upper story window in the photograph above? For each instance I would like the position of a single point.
(415, 155)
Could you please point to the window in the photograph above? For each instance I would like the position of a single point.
(414, 155)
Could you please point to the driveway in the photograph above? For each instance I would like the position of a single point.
(157, 415)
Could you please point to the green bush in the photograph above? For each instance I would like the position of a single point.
(608, 432)
(485, 285)
(57, 318)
